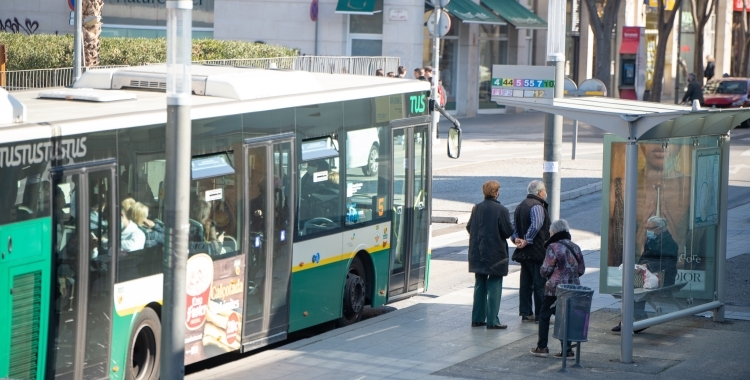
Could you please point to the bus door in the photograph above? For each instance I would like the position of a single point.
(269, 189)
(410, 210)
(83, 241)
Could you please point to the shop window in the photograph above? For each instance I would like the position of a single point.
(366, 33)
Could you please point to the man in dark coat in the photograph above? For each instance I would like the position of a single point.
(531, 231)
(489, 226)
(694, 91)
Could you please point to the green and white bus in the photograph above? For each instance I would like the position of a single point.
(310, 198)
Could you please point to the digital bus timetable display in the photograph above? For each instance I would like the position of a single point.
(530, 82)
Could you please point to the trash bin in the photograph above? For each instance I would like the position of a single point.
(573, 306)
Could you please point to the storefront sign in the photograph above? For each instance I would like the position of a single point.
(668, 4)
(738, 5)
(532, 82)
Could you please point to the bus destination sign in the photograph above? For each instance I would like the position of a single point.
(529, 82)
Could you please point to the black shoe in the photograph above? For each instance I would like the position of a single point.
(639, 330)
(571, 354)
(478, 324)
(497, 327)
(617, 328)
(528, 318)
(542, 352)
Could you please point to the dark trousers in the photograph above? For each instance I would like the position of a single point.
(532, 285)
(544, 316)
(488, 290)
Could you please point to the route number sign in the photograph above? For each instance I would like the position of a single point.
(535, 83)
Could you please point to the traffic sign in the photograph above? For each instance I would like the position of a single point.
(72, 4)
(314, 10)
(444, 24)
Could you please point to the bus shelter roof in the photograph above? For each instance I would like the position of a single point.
(650, 120)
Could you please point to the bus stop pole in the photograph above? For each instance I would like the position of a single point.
(553, 123)
(628, 254)
(177, 186)
(435, 75)
(77, 41)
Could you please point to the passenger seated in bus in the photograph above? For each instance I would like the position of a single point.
(203, 235)
(97, 205)
(154, 232)
(127, 203)
(131, 237)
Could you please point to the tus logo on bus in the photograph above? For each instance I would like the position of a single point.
(417, 103)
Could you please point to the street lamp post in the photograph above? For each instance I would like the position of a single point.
(177, 185)
(553, 123)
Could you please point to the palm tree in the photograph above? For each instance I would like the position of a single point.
(92, 29)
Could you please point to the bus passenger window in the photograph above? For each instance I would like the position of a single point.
(367, 167)
(319, 196)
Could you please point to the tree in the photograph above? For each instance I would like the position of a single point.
(665, 24)
(602, 24)
(702, 10)
(92, 30)
(746, 45)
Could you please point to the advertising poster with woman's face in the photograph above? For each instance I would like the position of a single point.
(665, 170)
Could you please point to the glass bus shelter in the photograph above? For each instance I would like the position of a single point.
(664, 205)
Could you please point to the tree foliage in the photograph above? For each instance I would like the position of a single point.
(602, 22)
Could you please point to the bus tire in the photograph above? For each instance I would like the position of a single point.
(144, 347)
(355, 290)
(372, 162)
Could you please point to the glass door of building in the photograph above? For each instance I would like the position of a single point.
(269, 184)
(410, 210)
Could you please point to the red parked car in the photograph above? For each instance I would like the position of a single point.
(727, 93)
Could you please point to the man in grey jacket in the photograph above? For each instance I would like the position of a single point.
(489, 226)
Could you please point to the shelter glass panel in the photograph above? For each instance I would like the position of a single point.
(677, 213)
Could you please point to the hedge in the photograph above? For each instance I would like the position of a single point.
(45, 51)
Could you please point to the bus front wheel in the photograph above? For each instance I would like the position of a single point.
(144, 348)
(354, 294)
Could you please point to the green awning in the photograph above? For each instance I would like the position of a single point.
(472, 13)
(357, 7)
(516, 14)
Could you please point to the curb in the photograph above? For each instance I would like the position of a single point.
(564, 196)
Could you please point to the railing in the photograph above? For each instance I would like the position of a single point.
(45, 78)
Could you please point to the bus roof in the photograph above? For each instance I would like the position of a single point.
(227, 91)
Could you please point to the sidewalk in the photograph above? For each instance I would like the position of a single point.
(433, 340)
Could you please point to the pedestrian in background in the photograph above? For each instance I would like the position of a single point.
(428, 73)
(402, 72)
(531, 221)
(390, 74)
(694, 91)
(489, 226)
(419, 73)
(379, 73)
(710, 67)
(563, 264)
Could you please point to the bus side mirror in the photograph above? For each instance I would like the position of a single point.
(454, 142)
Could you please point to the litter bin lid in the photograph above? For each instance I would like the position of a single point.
(573, 290)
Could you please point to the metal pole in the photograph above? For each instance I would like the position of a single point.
(575, 138)
(435, 74)
(552, 145)
(564, 327)
(177, 186)
(316, 34)
(679, 45)
(77, 41)
(721, 240)
(628, 254)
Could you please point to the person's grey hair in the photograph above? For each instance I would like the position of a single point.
(661, 222)
(560, 225)
(535, 187)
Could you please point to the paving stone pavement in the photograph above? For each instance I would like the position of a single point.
(433, 339)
